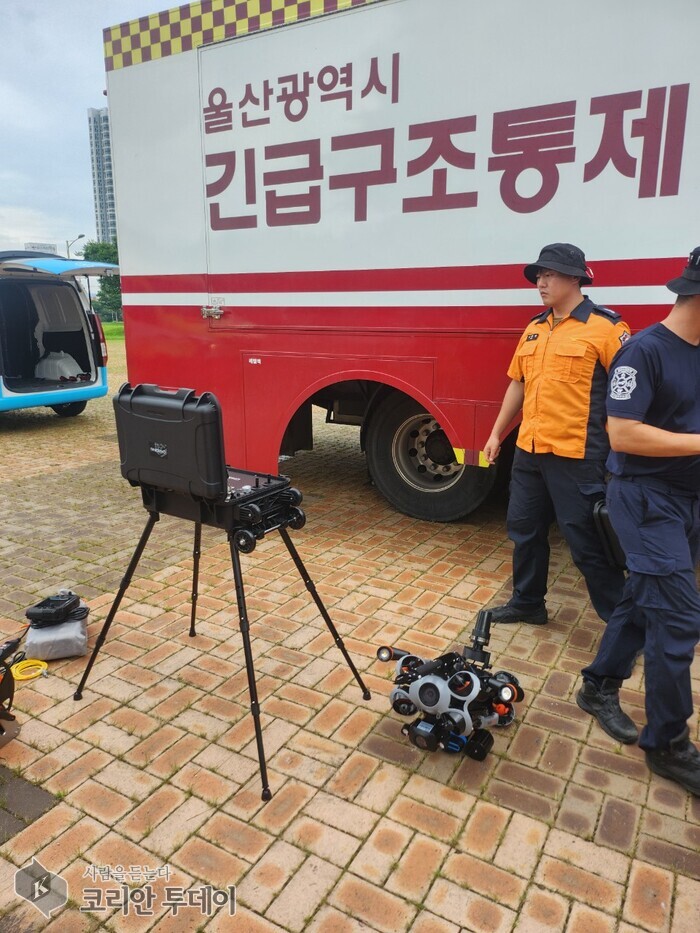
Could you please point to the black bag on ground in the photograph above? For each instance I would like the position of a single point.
(57, 627)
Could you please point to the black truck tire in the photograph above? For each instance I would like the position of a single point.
(412, 464)
(69, 409)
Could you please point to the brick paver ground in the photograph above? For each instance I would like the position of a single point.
(560, 828)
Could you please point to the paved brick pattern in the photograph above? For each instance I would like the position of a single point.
(21, 802)
(560, 828)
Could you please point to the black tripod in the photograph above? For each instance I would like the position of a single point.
(243, 529)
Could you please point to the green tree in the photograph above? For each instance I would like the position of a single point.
(108, 302)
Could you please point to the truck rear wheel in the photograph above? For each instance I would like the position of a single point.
(69, 409)
(412, 464)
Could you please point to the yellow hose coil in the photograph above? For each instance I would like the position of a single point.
(28, 669)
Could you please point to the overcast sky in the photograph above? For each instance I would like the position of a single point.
(51, 72)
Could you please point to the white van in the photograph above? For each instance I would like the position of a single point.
(52, 347)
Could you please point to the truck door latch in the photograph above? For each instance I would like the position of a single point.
(214, 309)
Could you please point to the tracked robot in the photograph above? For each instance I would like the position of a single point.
(459, 697)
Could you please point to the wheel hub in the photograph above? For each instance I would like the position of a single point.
(423, 455)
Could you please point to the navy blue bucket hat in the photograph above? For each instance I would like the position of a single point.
(561, 257)
(688, 282)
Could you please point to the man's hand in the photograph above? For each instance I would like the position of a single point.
(511, 405)
(492, 448)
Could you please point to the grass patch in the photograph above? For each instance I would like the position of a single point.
(114, 330)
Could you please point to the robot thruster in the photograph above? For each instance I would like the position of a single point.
(458, 696)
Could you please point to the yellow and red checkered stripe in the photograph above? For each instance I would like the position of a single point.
(186, 27)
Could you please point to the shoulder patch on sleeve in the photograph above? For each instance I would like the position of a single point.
(623, 382)
(607, 312)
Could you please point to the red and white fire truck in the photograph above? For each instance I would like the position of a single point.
(330, 202)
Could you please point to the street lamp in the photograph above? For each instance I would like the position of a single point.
(68, 245)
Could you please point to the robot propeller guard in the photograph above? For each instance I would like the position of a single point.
(458, 696)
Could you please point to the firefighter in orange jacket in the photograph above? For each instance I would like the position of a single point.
(559, 379)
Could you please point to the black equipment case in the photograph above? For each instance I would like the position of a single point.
(171, 445)
(171, 439)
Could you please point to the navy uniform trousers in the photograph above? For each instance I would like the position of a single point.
(545, 487)
(659, 530)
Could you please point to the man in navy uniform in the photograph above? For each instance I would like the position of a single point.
(654, 504)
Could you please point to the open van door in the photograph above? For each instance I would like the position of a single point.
(56, 265)
(52, 348)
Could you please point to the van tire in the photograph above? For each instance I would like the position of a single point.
(69, 409)
(412, 464)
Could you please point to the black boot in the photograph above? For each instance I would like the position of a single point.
(680, 762)
(604, 704)
(508, 613)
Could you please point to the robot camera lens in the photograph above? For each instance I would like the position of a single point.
(429, 695)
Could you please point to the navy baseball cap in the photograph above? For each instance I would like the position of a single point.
(688, 282)
(560, 257)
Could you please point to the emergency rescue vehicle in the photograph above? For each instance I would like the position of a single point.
(331, 202)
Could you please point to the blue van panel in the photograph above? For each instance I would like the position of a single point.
(13, 400)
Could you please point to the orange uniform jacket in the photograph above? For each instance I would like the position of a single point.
(564, 371)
